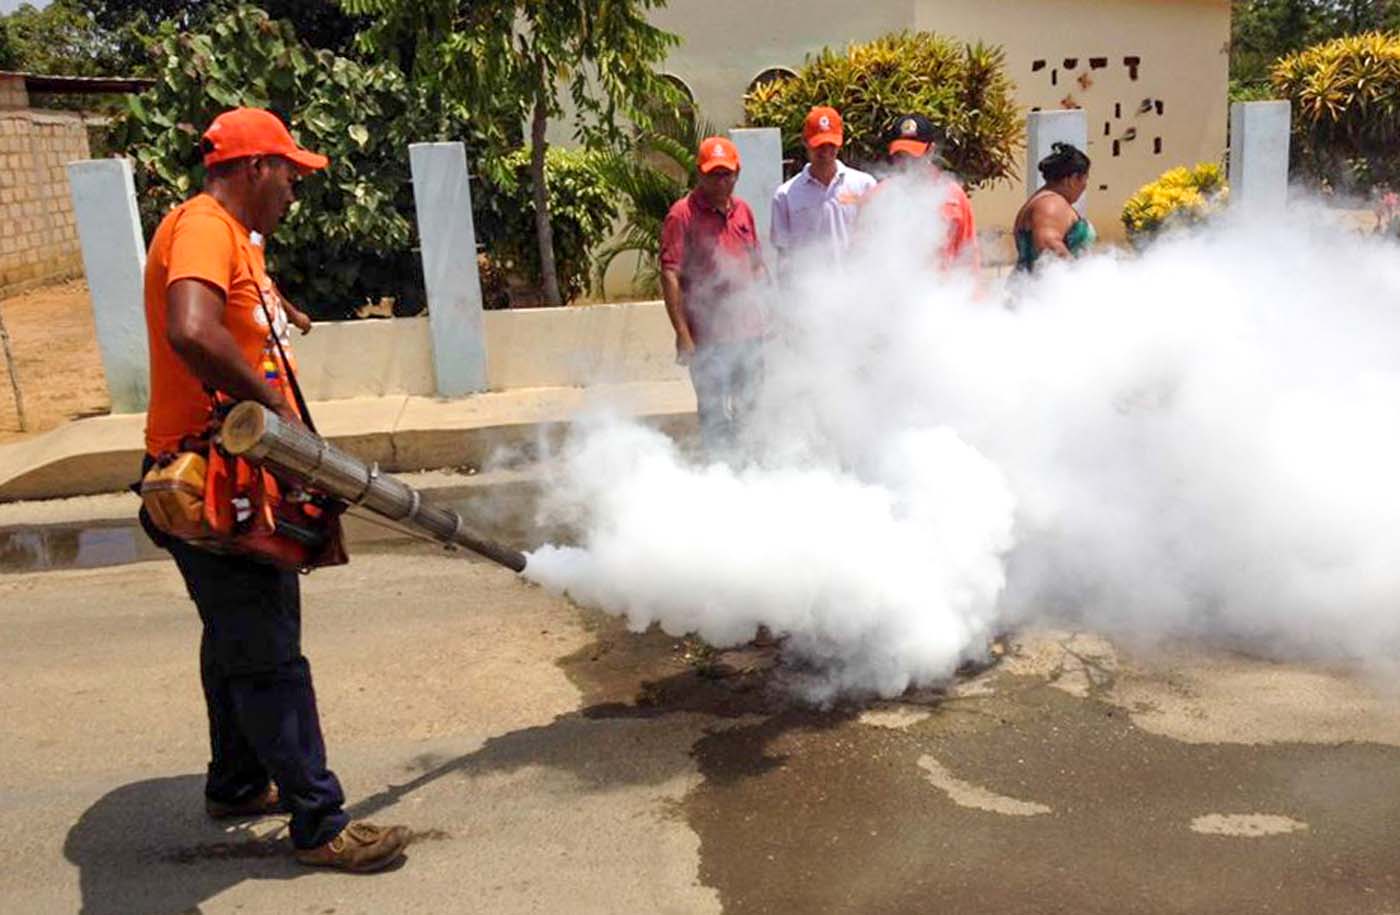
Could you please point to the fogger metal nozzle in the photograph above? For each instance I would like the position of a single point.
(254, 432)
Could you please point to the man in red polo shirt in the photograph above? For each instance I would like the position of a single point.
(711, 267)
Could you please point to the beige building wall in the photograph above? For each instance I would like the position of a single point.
(38, 231)
(1059, 53)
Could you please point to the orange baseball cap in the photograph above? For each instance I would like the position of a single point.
(245, 132)
(717, 152)
(822, 127)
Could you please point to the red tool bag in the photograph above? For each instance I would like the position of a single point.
(225, 504)
(252, 513)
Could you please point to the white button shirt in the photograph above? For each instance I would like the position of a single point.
(809, 213)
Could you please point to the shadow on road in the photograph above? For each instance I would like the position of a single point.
(147, 847)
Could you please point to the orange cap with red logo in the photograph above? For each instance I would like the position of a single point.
(822, 127)
(717, 152)
(245, 132)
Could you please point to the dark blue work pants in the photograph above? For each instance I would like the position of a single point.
(257, 689)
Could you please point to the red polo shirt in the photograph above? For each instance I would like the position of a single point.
(718, 259)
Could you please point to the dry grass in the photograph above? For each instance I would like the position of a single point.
(55, 348)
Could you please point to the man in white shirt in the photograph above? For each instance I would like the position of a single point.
(818, 207)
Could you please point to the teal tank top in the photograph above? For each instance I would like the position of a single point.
(1080, 237)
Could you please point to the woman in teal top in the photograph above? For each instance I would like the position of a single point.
(1048, 221)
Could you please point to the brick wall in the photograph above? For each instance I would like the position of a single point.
(38, 233)
(13, 93)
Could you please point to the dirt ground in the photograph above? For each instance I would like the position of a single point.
(54, 342)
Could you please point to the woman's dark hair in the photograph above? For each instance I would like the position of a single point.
(1064, 161)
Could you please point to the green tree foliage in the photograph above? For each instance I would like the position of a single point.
(319, 23)
(62, 38)
(115, 37)
(509, 59)
(1262, 31)
(349, 237)
(582, 207)
(962, 88)
(9, 54)
(1346, 108)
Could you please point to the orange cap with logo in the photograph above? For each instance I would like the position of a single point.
(822, 127)
(245, 132)
(717, 152)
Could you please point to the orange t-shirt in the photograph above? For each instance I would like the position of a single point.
(201, 240)
(960, 248)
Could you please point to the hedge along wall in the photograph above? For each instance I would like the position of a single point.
(38, 231)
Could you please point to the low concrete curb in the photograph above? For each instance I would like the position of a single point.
(103, 454)
(102, 530)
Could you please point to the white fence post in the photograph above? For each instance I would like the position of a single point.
(1259, 135)
(448, 238)
(1046, 128)
(114, 259)
(760, 174)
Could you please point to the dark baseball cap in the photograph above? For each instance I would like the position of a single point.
(913, 134)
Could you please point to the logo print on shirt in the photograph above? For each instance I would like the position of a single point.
(279, 315)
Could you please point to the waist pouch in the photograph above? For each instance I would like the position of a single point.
(226, 505)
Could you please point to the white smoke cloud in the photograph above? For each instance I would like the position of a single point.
(1202, 439)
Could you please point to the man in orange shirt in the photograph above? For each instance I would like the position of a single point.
(914, 146)
(211, 316)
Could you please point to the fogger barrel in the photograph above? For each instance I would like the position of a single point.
(256, 433)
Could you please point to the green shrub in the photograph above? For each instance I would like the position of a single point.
(1346, 108)
(350, 236)
(962, 88)
(582, 208)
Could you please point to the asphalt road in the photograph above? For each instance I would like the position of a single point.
(548, 761)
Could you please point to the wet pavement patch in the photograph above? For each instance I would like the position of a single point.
(806, 814)
(1009, 793)
(652, 673)
(81, 546)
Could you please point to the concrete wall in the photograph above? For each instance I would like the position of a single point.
(38, 232)
(341, 359)
(533, 347)
(1181, 47)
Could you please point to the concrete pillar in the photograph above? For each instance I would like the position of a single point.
(760, 174)
(1045, 128)
(1259, 135)
(448, 242)
(114, 259)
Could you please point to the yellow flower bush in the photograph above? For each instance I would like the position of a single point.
(1181, 196)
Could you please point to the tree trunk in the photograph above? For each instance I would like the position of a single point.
(544, 232)
(14, 375)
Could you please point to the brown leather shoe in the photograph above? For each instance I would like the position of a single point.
(361, 847)
(267, 803)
